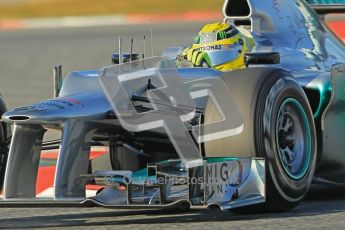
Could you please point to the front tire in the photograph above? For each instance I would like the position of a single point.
(285, 136)
(267, 97)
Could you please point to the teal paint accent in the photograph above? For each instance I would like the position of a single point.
(308, 144)
(325, 91)
(140, 173)
(220, 159)
(141, 177)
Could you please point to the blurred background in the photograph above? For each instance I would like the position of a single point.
(35, 35)
(53, 8)
(82, 34)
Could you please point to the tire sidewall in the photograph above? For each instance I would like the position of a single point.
(280, 184)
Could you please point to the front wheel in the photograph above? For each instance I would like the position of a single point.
(285, 136)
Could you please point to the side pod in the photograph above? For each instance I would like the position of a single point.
(333, 129)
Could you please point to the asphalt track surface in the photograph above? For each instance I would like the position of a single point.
(26, 60)
(322, 209)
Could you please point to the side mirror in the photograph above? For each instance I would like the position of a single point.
(261, 58)
(323, 9)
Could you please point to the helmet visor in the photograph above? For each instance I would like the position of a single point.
(208, 37)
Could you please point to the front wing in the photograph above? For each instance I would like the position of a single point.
(220, 182)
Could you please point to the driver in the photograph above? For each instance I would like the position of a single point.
(221, 46)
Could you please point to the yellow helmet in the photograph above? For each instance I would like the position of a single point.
(224, 44)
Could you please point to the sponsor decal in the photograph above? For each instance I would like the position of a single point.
(222, 180)
(72, 101)
(50, 104)
(221, 47)
(32, 108)
(210, 47)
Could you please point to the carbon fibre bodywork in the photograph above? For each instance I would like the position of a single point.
(308, 50)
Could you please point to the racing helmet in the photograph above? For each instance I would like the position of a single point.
(224, 44)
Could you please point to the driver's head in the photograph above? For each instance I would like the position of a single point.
(224, 44)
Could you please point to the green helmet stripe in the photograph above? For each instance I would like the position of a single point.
(222, 34)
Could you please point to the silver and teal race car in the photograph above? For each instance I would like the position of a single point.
(195, 137)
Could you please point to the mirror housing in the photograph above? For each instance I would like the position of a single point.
(261, 58)
(323, 9)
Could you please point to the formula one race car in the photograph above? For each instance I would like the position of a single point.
(197, 137)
